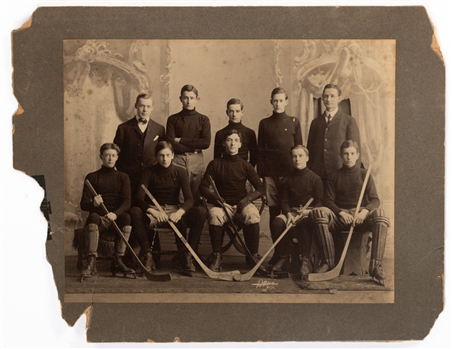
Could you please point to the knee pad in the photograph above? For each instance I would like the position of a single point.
(92, 227)
(127, 229)
(318, 216)
(378, 216)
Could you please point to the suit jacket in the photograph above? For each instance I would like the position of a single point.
(136, 155)
(324, 142)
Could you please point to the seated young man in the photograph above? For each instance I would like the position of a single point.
(230, 174)
(301, 185)
(165, 180)
(342, 193)
(113, 190)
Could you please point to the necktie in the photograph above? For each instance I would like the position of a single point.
(329, 118)
(143, 121)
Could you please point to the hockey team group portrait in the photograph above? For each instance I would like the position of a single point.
(229, 170)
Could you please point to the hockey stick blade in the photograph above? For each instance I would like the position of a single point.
(249, 275)
(149, 276)
(333, 273)
(227, 276)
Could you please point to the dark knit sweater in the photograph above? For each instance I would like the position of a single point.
(343, 188)
(165, 185)
(230, 174)
(277, 134)
(114, 186)
(299, 187)
(192, 128)
(249, 142)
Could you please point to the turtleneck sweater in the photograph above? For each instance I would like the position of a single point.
(113, 185)
(277, 134)
(299, 187)
(230, 174)
(192, 128)
(249, 142)
(165, 185)
(343, 188)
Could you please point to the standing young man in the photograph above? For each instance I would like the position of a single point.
(277, 135)
(327, 132)
(137, 139)
(248, 150)
(113, 190)
(189, 133)
(342, 193)
(230, 174)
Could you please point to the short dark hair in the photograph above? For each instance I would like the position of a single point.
(107, 146)
(232, 132)
(233, 101)
(189, 88)
(300, 146)
(278, 90)
(144, 96)
(332, 86)
(347, 144)
(163, 145)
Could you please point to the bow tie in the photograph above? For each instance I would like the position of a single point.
(143, 121)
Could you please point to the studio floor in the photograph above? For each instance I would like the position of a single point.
(200, 288)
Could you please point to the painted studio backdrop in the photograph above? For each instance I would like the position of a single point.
(103, 77)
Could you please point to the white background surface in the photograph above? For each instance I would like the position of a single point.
(30, 318)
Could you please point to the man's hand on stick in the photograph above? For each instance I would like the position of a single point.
(111, 216)
(161, 217)
(97, 200)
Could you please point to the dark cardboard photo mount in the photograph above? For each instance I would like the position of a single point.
(419, 195)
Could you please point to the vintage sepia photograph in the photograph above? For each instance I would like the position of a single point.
(228, 174)
(249, 171)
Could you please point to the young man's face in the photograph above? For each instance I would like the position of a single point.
(165, 156)
(299, 158)
(349, 156)
(331, 98)
(279, 102)
(109, 158)
(232, 144)
(144, 107)
(235, 113)
(188, 100)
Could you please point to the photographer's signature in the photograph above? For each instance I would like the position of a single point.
(265, 285)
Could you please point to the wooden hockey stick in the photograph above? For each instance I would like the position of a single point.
(249, 275)
(149, 276)
(227, 276)
(337, 269)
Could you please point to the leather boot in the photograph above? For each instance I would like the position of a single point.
(188, 268)
(376, 271)
(147, 261)
(216, 263)
(281, 263)
(118, 266)
(90, 268)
